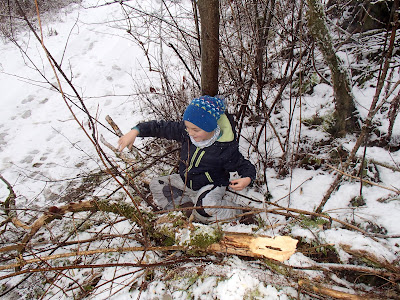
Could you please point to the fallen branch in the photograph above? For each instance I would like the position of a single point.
(23, 262)
(321, 290)
(366, 256)
(303, 212)
(55, 212)
(97, 266)
(279, 248)
(334, 268)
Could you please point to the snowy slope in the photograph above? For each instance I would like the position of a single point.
(40, 140)
(42, 146)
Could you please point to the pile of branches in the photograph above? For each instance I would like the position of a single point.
(85, 236)
(28, 256)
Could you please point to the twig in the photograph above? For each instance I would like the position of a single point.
(114, 126)
(125, 157)
(304, 212)
(383, 164)
(319, 289)
(9, 206)
(96, 266)
(90, 252)
(397, 191)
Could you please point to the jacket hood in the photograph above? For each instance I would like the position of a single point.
(227, 134)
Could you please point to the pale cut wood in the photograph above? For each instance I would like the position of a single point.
(280, 248)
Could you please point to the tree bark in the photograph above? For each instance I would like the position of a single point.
(209, 17)
(345, 120)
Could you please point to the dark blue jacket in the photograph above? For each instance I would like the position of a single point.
(210, 165)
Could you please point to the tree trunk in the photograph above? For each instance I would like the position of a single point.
(263, 24)
(345, 120)
(209, 17)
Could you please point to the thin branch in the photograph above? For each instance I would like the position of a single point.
(397, 191)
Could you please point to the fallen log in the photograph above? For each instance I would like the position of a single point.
(279, 248)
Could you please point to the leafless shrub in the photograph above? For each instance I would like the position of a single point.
(11, 17)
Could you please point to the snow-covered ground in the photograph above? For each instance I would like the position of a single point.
(42, 147)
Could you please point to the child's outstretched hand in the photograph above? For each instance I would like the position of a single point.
(127, 140)
(240, 184)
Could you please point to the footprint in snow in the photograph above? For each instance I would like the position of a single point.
(29, 99)
(26, 114)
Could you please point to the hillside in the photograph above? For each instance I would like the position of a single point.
(64, 191)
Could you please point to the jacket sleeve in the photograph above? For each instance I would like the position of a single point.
(169, 130)
(238, 163)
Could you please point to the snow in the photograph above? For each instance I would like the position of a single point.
(43, 148)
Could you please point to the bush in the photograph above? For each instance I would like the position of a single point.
(11, 20)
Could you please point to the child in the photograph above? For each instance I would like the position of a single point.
(209, 153)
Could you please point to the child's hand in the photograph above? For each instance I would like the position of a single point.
(127, 140)
(240, 184)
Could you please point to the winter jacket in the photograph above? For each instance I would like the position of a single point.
(210, 165)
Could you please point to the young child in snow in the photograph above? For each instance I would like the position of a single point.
(209, 153)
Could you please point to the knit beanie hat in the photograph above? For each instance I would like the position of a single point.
(204, 112)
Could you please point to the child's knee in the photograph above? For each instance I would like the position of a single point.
(211, 197)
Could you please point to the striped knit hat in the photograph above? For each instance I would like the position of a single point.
(204, 112)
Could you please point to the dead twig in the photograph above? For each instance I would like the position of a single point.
(397, 191)
(9, 206)
(128, 159)
(328, 291)
(114, 126)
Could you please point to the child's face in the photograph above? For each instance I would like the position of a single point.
(197, 133)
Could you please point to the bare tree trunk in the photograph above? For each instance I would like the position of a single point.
(345, 120)
(209, 17)
(263, 24)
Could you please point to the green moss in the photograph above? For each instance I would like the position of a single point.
(307, 83)
(168, 226)
(178, 223)
(310, 161)
(357, 201)
(88, 288)
(204, 236)
(311, 222)
(325, 123)
(279, 269)
(253, 294)
(314, 121)
(261, 224)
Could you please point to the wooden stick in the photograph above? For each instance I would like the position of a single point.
(321, 290)
(114, 126)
